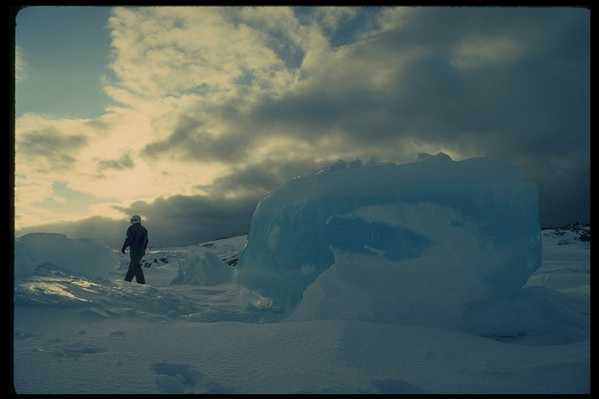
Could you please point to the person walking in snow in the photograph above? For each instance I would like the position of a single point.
(137, 241)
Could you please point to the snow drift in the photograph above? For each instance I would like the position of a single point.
(420, 242)
(57, 252)
(202, 267)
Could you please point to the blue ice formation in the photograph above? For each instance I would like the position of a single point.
(58, 252)
(467, 230)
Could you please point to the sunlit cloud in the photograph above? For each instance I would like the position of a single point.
(480, 51)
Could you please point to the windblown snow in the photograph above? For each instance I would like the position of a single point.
(431, 277)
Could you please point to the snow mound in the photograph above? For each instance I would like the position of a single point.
(416, 242)
(56, 251)
(102, 299)
(202, 267)
(568, 235)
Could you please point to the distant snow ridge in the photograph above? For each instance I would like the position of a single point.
(202, 267)
(56, 251)
(417, 242)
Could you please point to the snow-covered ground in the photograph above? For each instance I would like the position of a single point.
(76, 334)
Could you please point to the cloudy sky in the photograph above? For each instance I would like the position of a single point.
(188, 116)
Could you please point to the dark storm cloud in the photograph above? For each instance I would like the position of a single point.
(519, 91)
(260, 177)
(174, 221)
(124, 162)
(184, 220)
(529, 101)
(191, 141)
(530, 107)
(49, 144)
(521, 94)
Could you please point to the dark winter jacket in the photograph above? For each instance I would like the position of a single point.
(137, 239)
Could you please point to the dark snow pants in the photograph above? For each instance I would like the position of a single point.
(135, 268)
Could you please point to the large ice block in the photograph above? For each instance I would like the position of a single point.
(394, 241)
